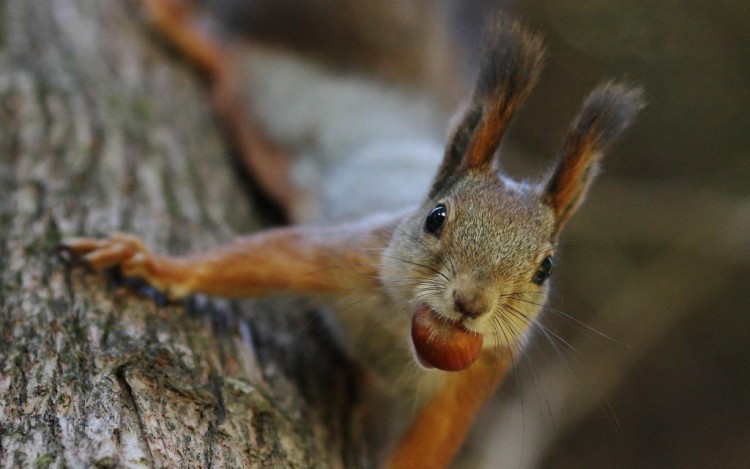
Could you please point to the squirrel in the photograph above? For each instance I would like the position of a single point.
(438, 262)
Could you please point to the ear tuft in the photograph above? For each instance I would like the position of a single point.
(511, 63)
(512, 59)
(510, 66)
(605, 113)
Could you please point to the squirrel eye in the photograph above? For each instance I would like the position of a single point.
(545, 270)
(435, 219)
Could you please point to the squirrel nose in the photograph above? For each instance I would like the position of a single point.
(471, 305)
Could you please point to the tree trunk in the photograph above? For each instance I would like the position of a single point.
(102, 130)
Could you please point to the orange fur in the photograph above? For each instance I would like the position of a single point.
(486, 138)
(439, 430)
(605, 113)
(303, 259)
(173, 19)
(571, 178)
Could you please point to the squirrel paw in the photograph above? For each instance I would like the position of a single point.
(121, 251)
(129, 255)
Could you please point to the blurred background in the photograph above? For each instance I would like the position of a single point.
(658, 259)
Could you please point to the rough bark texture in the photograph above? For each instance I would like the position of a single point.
(102, 130)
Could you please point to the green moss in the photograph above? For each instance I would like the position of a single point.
(52, 236)
(136, 114)
(143, 110)
(239, 386)
(44, 461)
(167, 180)
(106, 462)
(20, 359)
(63, 400)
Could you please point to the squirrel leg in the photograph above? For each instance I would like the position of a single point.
(183, 25)
(302, 259)
(130, 255)
(440, 428)
(177, 21)
(171, 276)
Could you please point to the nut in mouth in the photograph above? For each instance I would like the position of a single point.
(441, 343)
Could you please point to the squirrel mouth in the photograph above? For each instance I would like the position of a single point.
(441, 343)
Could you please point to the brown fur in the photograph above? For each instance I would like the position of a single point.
(605, 113)
(511, 63)
(175, 18)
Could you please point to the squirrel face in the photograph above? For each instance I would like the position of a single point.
(473, 261)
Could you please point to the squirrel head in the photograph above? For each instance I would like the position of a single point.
(474, 260)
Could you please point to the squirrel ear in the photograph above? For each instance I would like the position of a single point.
(605, 113)
(510, 66)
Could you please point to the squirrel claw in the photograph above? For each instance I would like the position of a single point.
(119, 250)
(73, 251)
(126, 260)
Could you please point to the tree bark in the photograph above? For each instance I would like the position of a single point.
(101, 129)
